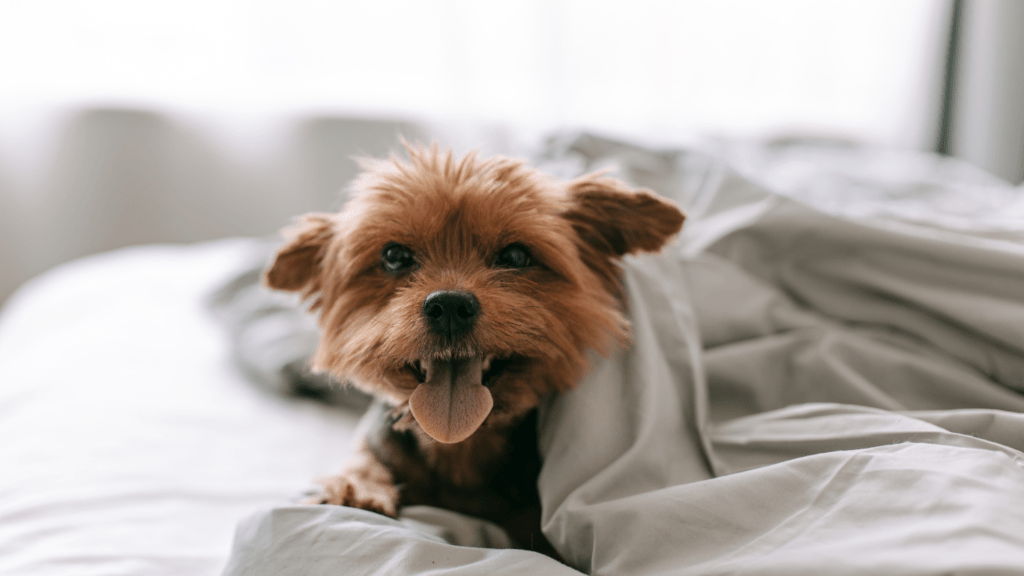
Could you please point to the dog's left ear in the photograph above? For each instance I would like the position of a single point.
(615, 220)
(297, 263)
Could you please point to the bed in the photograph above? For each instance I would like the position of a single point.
(827, 376)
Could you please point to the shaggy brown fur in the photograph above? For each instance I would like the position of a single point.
(461, 292)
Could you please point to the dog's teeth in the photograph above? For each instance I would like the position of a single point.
(487, 363)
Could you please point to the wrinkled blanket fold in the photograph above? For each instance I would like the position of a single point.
(807, 392)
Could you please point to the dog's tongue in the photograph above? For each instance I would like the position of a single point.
(452, 403)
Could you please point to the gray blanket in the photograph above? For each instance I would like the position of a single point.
(812, 389)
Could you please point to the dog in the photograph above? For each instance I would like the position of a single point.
(461, 291)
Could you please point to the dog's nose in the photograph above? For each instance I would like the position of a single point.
(451, 312)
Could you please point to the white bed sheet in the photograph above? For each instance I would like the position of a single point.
(129, 443)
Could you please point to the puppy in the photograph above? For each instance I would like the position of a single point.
(460, 292)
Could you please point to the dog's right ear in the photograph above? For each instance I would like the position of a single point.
(297, 263)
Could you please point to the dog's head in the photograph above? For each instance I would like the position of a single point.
(467, 289)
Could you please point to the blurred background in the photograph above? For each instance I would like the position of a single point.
(126, 122)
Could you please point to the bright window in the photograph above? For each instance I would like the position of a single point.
(642, 68)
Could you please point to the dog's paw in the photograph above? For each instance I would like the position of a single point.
(355, 492)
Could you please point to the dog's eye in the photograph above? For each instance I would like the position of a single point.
(514, 256)
(395, 258)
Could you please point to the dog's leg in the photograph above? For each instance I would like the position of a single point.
(365, 483)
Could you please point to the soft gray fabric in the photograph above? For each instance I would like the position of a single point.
(334, 540)
(807, 393)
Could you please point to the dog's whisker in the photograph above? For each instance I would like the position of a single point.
(382, 323)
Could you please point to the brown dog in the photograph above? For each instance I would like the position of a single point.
(461, 292)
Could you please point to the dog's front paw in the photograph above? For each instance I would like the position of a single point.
(355, 492)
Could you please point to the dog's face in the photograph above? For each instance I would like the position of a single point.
(468, 289)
